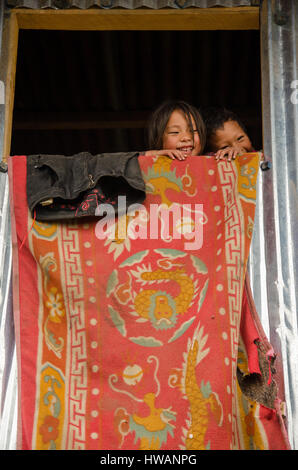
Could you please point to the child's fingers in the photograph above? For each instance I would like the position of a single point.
(181, 155)
(232, 154)
(220, 154)
(173, 154)
(229, 153)
(176, 154)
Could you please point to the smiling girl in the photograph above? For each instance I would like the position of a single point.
(176, 129)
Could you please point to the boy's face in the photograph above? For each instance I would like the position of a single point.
(178, 135)
(231, 135)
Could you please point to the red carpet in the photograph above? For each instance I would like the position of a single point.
(132, 343)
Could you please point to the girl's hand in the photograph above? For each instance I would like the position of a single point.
(229, 152)
(174, 154)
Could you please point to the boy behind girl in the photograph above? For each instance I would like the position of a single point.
(226, 134)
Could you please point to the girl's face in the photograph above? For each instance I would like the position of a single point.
(179, 136)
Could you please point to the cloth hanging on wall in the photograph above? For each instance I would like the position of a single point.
(67, 187)
(138, 340)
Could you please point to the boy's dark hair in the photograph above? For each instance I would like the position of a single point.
(214, 118)
(160, 117)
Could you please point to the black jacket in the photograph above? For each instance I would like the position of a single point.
(68, 187)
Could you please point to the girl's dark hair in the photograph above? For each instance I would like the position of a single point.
(214, 118)
(160, 117)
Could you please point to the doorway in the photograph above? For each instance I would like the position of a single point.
(94, 90)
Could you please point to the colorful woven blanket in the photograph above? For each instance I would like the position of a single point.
(129, 330)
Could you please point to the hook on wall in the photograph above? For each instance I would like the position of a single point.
(3, 167)
(266, 165)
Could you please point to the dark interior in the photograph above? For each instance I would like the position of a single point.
(94, 91)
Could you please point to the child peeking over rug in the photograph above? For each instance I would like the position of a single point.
(176, 129)
(226, 135)
(179, 130)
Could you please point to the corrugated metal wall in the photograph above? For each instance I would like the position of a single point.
(8, 366)
(279, 42)
(129, 4)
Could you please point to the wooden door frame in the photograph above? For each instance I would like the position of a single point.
(218, 18)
